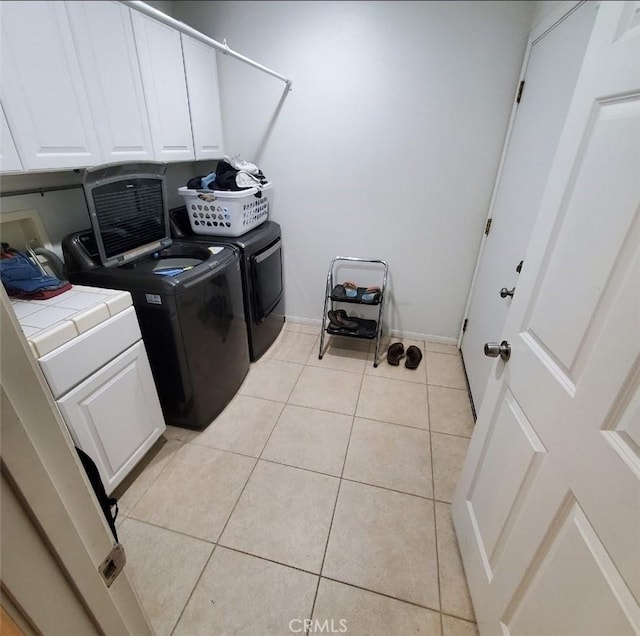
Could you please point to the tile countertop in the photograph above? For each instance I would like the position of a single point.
(48, 324)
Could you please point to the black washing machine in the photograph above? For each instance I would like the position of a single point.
(261, 264)
(187, 295)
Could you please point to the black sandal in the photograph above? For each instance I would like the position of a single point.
(414, 356)
(395, 353)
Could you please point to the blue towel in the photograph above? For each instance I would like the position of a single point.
(18, 272)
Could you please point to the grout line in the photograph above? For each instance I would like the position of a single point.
(228, 519)
(153, 481)
(308, 470)
(435, 525)
(395, 598)
(451, 434)
(335, 505)
(216, 542)
(222, 450)
(263, 558)
(295, 384)
(399, 492)
(184, 534)
(415, 428)
(446, 386)
(459, 618)
(193, 589)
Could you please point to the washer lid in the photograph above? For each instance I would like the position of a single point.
(128, 210)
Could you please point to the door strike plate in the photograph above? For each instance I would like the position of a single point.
(113, 564)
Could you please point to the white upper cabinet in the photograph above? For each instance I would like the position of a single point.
(204, 99)
(42, 91)
(9, 159)
(106, 48)
(163, 78)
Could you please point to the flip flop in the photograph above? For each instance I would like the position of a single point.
(414, 356)
(350, 289)
(371, 293)
(395, 353)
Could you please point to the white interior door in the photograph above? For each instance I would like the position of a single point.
(43, 469)
(551, 73)
(547, 510)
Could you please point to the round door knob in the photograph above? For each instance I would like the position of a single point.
(493, 350)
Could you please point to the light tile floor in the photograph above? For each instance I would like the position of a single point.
(321, 492)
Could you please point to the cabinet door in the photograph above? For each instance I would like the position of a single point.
(103, 36)
(9, 159)
(165, 90)
(204, 98)
(42, 90)
(114, 415)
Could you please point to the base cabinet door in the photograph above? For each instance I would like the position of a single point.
(42, 91)
(204, 98)
(160, 56)
(114, 415)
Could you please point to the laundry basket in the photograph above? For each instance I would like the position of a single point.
(222, 213)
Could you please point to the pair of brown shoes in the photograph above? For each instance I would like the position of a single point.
(396, 352)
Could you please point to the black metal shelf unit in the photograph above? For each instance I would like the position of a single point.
(365, 328)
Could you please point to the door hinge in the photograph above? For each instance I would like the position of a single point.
(113, 564)
(487, 227)
(519, 93)
(464, 325)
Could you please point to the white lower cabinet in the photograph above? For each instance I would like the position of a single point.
(102, 383)
(114, 415)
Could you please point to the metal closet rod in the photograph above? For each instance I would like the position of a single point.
(40, 191)
(181, 26)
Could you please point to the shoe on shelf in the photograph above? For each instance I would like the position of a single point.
(371, 294)
(414, 356)
(346, 290)
(395, 353)
(350, 289)
(340, 319)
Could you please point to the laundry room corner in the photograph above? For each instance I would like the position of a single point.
(388, 144)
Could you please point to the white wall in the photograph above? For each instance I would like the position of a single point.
(544, 8)
(388, 145)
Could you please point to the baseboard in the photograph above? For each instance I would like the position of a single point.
(304, 321)
(409, 335)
